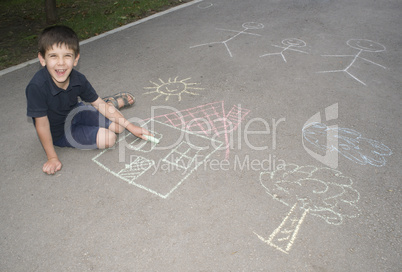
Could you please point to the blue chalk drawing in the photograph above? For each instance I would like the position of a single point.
(351, 144)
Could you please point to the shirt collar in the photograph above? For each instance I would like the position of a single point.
(74, 79)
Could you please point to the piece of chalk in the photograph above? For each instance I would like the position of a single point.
(152, 139)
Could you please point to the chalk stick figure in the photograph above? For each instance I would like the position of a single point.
(246, 27)
(290, 45)
(363, 46)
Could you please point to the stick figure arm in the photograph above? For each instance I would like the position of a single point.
(331, 71)
(229, 30)
(373, 62)
(270, 54)
(255, 34)
(337, 55)
(279, 46)
(204, 44)
(298, 50)
(239, 32)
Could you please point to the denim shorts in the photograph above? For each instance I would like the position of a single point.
(81, 128)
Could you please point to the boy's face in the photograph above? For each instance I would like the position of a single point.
(59, 61)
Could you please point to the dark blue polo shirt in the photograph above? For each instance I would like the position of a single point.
(44, 98)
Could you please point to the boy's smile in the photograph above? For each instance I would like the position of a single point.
(59, 61)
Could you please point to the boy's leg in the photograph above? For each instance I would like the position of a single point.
(119, 102)
(116, 128)
(90, 129)
(105, 138)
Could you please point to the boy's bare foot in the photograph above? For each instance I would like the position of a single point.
(120, 100)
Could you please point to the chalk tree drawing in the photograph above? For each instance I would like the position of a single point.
(351, 144)
(290, 44)
(361, 45)
(322, 192)
(246, 27)
(172, 87)
(210, 120)
(158, 169)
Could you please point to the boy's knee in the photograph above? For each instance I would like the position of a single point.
(105, 138)
(116, 128)
(111, 139)
(120, 129)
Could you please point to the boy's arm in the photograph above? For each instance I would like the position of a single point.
(115, 116)
(43, 129)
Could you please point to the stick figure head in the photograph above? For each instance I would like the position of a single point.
(293, 42)
(365, 45)
(252, 25)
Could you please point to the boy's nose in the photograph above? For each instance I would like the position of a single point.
(60, 61)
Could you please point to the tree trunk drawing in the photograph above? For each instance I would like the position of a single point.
(282, 237)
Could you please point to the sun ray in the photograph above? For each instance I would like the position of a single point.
(156, 97)
(191, 93)
(151, 92)
(172, 87)
(195, 88)
(156, 84)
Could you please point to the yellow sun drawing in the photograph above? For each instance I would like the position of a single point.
(172, 87)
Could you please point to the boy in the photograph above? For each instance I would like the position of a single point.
(52, 101)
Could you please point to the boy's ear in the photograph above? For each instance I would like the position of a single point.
(41, 60)
(76, 59)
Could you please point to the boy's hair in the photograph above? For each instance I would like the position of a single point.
(58, 35)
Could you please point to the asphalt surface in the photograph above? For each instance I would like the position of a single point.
(280, 135)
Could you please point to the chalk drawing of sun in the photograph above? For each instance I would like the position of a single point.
(172, 88)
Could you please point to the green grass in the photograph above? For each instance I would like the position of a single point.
(21, 21)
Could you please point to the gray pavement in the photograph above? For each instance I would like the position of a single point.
(297, 105)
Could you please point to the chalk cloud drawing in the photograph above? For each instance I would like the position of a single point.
(350, 144)
(361, 45)
(173, 87)
(290, 44)
(246, 27)
(322, 192)
(159, 170)
(210, 120)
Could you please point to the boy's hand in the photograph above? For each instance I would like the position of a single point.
(52, 166)
(138, 131)
(142, 132)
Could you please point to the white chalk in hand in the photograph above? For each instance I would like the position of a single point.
(151, 139)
